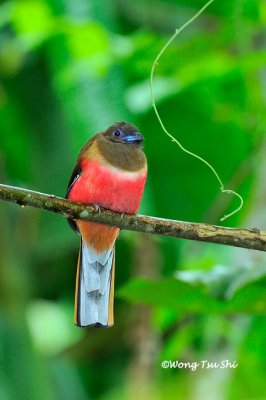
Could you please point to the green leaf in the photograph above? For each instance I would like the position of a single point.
(31, 17)
(222, 281)
(86, 40)
(186, 298)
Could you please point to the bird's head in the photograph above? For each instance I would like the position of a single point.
(123, 132)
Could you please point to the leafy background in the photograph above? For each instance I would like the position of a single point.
(69, 69)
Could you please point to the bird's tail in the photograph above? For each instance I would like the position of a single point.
(94, 299)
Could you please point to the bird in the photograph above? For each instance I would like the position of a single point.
(110, 172)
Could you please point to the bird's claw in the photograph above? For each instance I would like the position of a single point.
(98, 209)
(122, 215)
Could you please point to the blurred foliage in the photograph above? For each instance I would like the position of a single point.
(69, 69)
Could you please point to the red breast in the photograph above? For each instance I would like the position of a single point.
(113, 176)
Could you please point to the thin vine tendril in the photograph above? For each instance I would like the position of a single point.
(154, 65)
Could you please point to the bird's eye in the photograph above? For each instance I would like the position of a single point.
(117, 133)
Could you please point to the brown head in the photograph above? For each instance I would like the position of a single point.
(120, 145)
(124, 133)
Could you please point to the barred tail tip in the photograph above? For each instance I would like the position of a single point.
(94, 297)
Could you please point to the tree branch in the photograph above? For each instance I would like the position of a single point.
(245, 238)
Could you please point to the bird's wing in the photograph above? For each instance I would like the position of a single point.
(74, 177)
(77, 171)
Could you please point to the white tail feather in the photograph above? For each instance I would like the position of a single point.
(94, 278)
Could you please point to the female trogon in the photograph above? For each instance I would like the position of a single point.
(111, 172)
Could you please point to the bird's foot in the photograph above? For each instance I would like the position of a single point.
(122, 215)
(98, 209)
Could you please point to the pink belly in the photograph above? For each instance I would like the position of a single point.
(118, 191)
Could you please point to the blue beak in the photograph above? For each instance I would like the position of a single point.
(136, 138)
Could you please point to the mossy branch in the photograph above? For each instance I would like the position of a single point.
(246, 238)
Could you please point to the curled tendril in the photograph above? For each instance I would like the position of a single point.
(154, 65)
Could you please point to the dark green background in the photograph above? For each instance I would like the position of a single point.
(70, 68)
